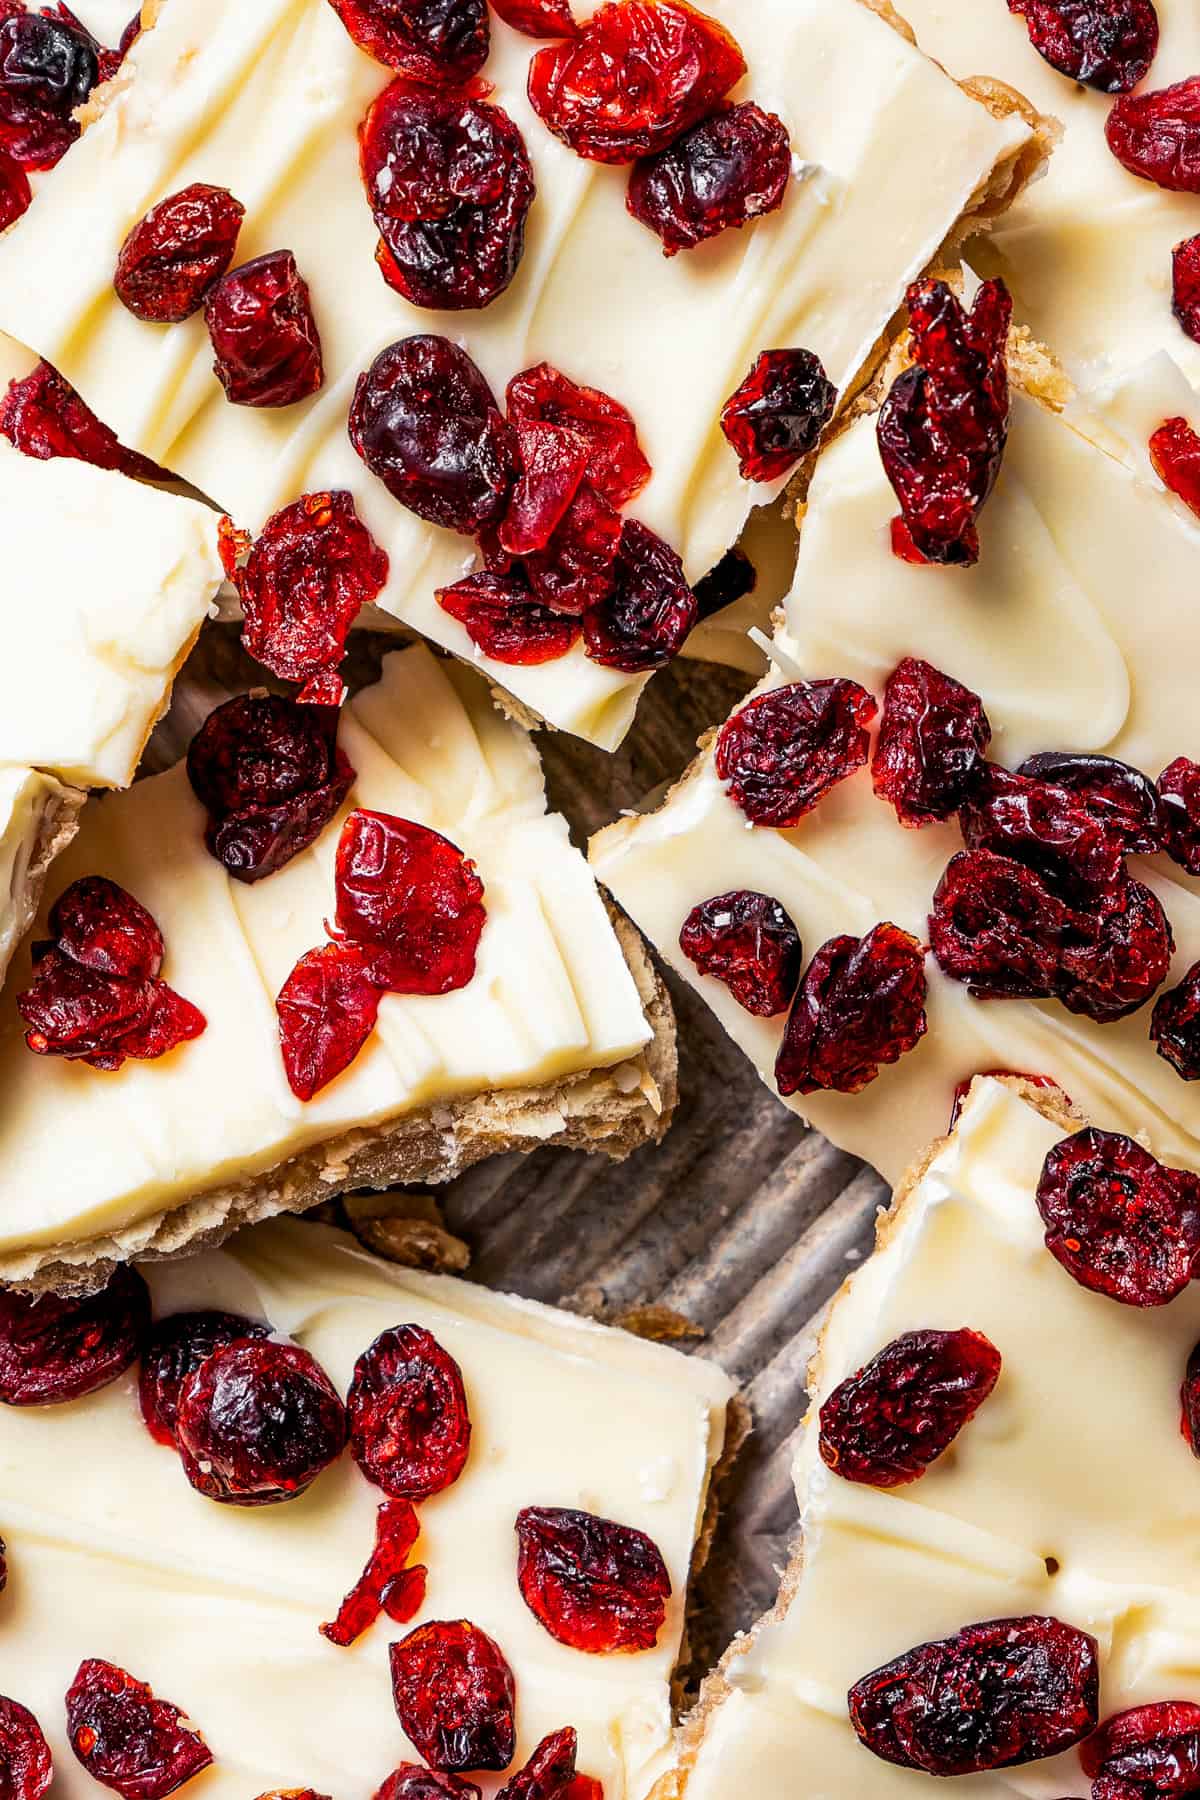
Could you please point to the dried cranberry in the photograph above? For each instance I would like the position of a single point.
(553, 462)
(733, 578)
(964, 1087)
(126, 1738)
(747, 941)
(410, 1431)
(1175, 1026)
(173, 256)
(424, 421)
(585, 1787)
(387, 1584)
(861, 1003)
(413, 898)
(636, 76)
(98, 924)
(785, 750)
(538, 18)
(576, 571)
(257, 1423)
(26, 1766)
(412, 1782)
(1106, 44)
(1003, 1692)
(595, 1585)
(996, 927)
(49, 65)
(889, 1422)
(454, 1695)
(1119, 797)
(932, 740)
(617, 467)
(502, 617)
(1185, 286)
(1147, 1753)
(1175, 453)
(3, 1574)
(1189, 1397)
(1179, 785)
(16, 195)
(943, 427)
(327, 1009)
(260, 320)
(644, 620)
(1156, 135)
(549, 1772)
(1049, 829)
(730, 168)
(42, 416)
(1113, 960)
(431, 40)
(779, 412)
(176, 1348)
(1119, 1221)
(54, 1349)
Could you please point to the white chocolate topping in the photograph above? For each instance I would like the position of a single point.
(29, 803)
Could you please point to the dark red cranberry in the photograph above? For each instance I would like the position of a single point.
(16, 195)
(171, 259)
(779, 412)
(889, 1422)
(42, 416)
(644, 619)
(1147, 1753)
(126, 1738)
(1114, 960)
(1049, 829)
(576, 571)
(1119, 797)
(410, 1431)
(943, 428)
(783, 752)
(538, 18)
(26, 1766)
(1156, 135)
(1119, 1221)
(1189, 1422)
(1175, 453)
(747, 941)
(454, 1695)
(425, 422)
(327, 1009)
(996, 927)
(550, 1771)
(440, 41)
(1175, 1026)
(257, 1423)
(861, 1004)
(1185, 286)
(730, 168)
(1003, 1692)
(595, 1585)
(260, 320)
(636, 76)
(553, 462)
(49, 65)
(99, 925)
(387, 1584)
(502, 617)
(412, 1782)
(1106, 44)
(411, 898)
(54, 1348)
(1179, 785)
(617, 467)
(733, 578)
(176, 1347)
(932, 740)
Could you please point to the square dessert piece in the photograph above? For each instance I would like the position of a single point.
(888, 155)
(219, 1607)
(1063, 1499)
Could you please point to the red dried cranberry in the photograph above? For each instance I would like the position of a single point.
(1175, 453)
(1179, 785)
(549, 1772)
(260, 320)
(413, 899)
(424, 421)
(454, 1695)
(779, 412)
(730, 168)
(553, 462)
(3, 1572)
(1156, 135)
(126, 1738)
(733, 578)
(270, 776)
(387, 1584)
(1185, 286)
(1050, 830)
(636, 76)
(1113, 960)
(595, 1585)
(617, 467)
(26, 1766)
(943, 428)
(1147, 1753)
(1189, 1396)
(747, 941)
(1119, 797)
(176, 1348)
(861, 1003)
(54, 1349)
(784, 751)
(42, 416)
(964, 1087)
(889, 1422)
(1003, 1692)
(501, 616)
(538, 18)
(575, 573)
(412, 1782)
(932, 740)
(257, 1423)
(585, 1787)
(327, 1009)
(431, 40)
(1106, 44)
(16, 195)
(1175, 1026)
(49, 65)
(99, 925)
(644, 619)
(410, 1431)
(172, 257)
(996, 927)
(1119, 1221)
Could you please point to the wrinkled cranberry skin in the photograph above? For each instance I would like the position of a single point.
(1119, 1221)
(636, 76)
(1147, 1753)
(327, 1009)
(538, 18)
(943, 428)
(439, 41)
(1106, 44)
(550, 1771)
(779, 412)
(425, 421)
(1190, 1416)
(412, 1782)
(412, 897)
(410, 1431)
(1003, 1692)
(553, 462)
(594, 1585)
(576, 571)
(784, 751)
(1179, 785)
(644, 620)
(176, 1347)
(16, 195)
(172, 257)
(1185, 287)
(996, 927)
(932, 740)
(1175, 1026)
(1156, 135)
(1119, 797)
(126, 1738)
(617, 467)
(861, 1004)
(260, 320)
(1175, 454)
(502, 618)
(730, 168)
(889, 1422)
(48, 66)
(257, 1423)
(54, 1349)
(747, 941)
(387, 1584)
(26, 1766)
(1114, 960)
(1048, 829)
(98, 924)
(42, 416)
(454, 1695)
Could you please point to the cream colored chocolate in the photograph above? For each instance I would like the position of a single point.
(1078, 630)
(1070, 1493)
(37, 819)
(96, 1164)
(266, 100)
(112, 1554)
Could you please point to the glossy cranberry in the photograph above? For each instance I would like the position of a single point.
(861, 1004)
(779, 412)
(126, 1738)
(595, 1585)
(553, 461)
(932, 740)
(1122, 800)
(454, 1695)
(503, 619)
(42, 416)
(996, 927)
(327, 1009)
(1185, 290)
(1119, 1221)
(576, 572)
(410, 1430)
(1114, 959)
(617, 467)
(784, 751)
(1175, 453)
(730, 168)
(550, 1771)
(538, 18)
(54, 1348)
(1179, 785)
(177, 1345)
(260, 320)
(26, 1766)
(886, 1424)
(644, 619)
(733, 578)
(1147, 1753)
(1106, 44)
(1189, 1422)
(16, 194)
(747, 941)
(387, 1584)
(1175, 1026)
(49, 65)
(440, 41)
(174, 255)
(257, 1423)
(99, 925)
(412, 1782)
(1156, 135)
(413, 899)
(1049, 829)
